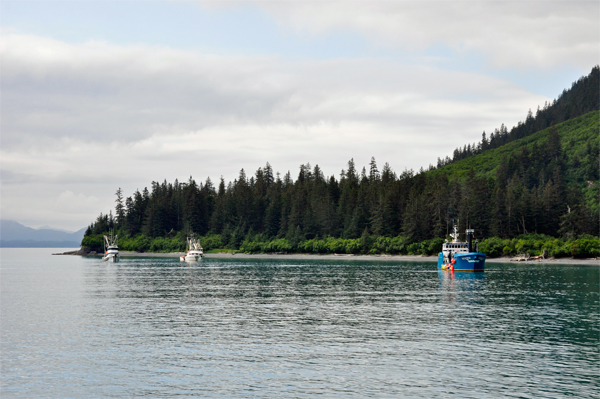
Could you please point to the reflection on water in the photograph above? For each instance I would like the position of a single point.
(155, 327)
(468, 281)
(462, 286)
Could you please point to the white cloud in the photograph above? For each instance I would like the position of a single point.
(68, 202)
(99, 92)
(523, 34)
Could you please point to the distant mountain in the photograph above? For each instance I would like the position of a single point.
(46, 227)
(15, 235)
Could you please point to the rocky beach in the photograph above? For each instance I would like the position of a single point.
(369, 258)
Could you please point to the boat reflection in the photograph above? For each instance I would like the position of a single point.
(451, 275)
(461, 286)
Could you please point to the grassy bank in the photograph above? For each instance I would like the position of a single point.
(532, 244)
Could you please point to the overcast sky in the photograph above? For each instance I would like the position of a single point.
(97, 95)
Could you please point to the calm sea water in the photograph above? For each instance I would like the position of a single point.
(78, 327)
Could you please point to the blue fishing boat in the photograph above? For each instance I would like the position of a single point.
(461, 256)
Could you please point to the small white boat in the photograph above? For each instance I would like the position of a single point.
(111, 250)
(194, 252)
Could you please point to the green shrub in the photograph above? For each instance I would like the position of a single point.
(584, 247)
(389, 245)
(314, 246)
(556, 248)
(492, 247)
(95, 242)
(398, 246)
(433, 246)
(251, 247)
(590, 245)
(141, 243)
(380, 245)
(522, 247)
(319, 247)
(212, 241)
(157, 245)
(335, 245)
(279, 245)
(414, 248)
(353, 246)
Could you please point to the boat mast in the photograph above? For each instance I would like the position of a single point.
(470, 233)
(109, 241)
(455, 234)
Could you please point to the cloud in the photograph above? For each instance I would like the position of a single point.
(59, 96)
(507, 34)
(69, 202)
(98, 92)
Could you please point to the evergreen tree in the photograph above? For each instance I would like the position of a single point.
(119, 208)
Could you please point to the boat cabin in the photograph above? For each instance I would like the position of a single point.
(449, 249)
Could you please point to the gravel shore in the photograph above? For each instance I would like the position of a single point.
(377, 258)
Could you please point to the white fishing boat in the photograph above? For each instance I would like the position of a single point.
(194, 250)
(111, 250)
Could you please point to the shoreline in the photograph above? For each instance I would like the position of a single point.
(377, 258)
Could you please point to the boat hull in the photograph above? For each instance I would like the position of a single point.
(188, 258)
(114, 258)
(465, 261)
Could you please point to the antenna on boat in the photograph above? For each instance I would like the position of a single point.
(455, 234)
(470, 233)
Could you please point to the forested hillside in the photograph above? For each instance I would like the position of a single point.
(542, 185)
(581, 98)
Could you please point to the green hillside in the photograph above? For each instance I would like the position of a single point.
(575, 137)
(579, 139)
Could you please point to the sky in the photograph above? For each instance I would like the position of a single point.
(101, 95)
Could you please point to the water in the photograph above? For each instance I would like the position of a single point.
(78, 327)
